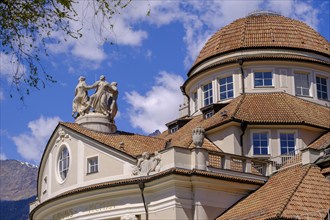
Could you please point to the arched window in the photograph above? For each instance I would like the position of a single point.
(63, 162)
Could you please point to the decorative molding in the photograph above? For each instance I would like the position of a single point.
(62, 135)
(128, 217)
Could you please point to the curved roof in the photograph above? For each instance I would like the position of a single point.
(264, 30)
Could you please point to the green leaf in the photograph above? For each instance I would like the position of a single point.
(65, 3)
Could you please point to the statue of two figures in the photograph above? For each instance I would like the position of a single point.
(103, 101)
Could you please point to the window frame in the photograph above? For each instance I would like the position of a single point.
(326, 87)
(60, 166)
(226, 86)
(263, 131)
(263, 71)
(209, 99)
(208, 114)
(89, 165)
(287, 131)
(301, 88)
(174, 129)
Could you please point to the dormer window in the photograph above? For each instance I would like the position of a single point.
(209, 114)
(208, 94)
(175, 125)
(263, 79)
(210, 110)
(174, 129)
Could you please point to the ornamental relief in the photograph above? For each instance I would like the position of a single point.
(147, 164)
(62, 135)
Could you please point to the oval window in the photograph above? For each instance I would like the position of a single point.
(63, 163)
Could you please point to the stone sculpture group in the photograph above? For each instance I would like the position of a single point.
(103, 101)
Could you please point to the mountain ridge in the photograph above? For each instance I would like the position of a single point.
(18, 180)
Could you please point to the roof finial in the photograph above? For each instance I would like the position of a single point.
(263, 12)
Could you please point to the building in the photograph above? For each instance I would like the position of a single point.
(252, 140)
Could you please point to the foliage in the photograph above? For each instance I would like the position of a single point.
(27, 25)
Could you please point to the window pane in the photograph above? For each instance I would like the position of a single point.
(222, 81)
(268, 82)
(264, 151)
(222, 88)
(284, 151)
(258, 75)
(268, 75)
(263, 136)
(258, 82)
(230, 94)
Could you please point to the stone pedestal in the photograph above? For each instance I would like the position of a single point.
(97, 122)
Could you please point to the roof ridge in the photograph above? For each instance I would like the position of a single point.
(271, 29)
(241, 43)
(239, 105)
(292, 107)
(118, 131)
(295, 190)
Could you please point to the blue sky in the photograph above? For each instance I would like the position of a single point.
(149, 59)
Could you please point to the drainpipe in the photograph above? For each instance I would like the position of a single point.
(142, 186)
(240, 62)
(243, 128)
(185, 94)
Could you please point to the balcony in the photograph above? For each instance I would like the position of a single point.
(286, 160)
(225, 161)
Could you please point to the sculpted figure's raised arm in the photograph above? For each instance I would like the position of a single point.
(80, 104)
(103, 101)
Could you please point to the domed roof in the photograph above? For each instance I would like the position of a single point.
(264, 30)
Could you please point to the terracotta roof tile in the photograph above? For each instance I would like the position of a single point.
(321, 143)
(265, 30)
(297, 192)
(133, 144)
(263, 56)
(252, 108)
(281, 108)
(183, 137)
(325, 170)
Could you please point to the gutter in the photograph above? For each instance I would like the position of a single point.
(244, 125)
(182, 88)
(240, 62)
(142, 186)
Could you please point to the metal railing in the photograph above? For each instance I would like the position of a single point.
(285, 160)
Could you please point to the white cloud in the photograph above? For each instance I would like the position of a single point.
(3, 156)
(9, 66)
(2, 95)
(30, 145)
(96, 32)
(296, 9)
(158, 106)
(148, 54)
(200, 19)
